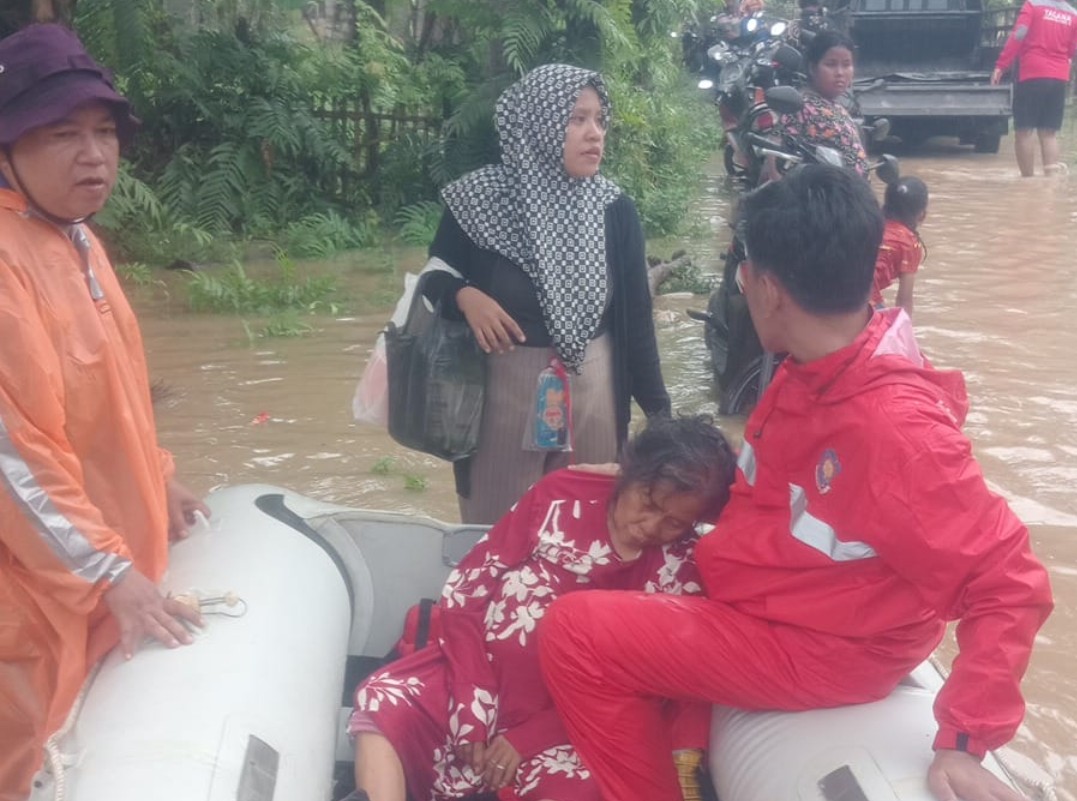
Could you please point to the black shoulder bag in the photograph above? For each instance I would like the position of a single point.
(437, 381)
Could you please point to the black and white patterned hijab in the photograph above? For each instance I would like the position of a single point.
(533, 213)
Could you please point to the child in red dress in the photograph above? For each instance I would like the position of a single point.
(471, 712)
(902, 251)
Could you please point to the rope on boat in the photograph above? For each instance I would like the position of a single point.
(1042, 787)
(57, 761)
(227, 605)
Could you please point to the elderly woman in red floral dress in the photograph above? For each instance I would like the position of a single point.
(471, 713)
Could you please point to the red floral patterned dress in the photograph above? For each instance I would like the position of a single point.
(483, 678)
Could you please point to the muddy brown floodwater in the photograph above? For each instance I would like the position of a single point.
(997, 299)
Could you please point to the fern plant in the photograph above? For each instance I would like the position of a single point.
(131, 200)
(135, 273)
(324, 234)
(233, 290)
(236, 145)
(419, 222)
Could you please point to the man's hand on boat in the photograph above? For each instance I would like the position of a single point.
(141, 611)
(957, 776)
(183, 506)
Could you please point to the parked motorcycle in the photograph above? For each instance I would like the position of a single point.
(739, 71)
(741, 368)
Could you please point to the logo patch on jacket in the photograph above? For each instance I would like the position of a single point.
(827, 470)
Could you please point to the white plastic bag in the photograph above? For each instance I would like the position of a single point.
(370, 404)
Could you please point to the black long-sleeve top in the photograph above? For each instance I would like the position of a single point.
(628, 317)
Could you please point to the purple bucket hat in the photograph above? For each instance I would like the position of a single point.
(45, 74)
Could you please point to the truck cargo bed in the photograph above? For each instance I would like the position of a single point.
(926, 66)
(933, 95)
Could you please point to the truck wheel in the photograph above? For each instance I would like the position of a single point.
(987, 142)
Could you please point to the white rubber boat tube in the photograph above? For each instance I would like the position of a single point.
(871, 752)
(250, 710)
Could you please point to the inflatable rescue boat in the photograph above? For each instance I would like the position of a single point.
(304, 598)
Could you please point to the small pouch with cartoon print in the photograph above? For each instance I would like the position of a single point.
(550, 423)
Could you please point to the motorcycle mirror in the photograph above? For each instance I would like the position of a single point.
(880, 129)
(888, 169)
(778, 28)
(706, 83)
(784, 99)
(788, 58)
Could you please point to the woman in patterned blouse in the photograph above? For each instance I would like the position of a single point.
(824, 120)
(471, 712)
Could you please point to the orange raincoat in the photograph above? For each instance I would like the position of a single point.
(82, 481)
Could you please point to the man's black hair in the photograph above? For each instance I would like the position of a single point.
(818, 232)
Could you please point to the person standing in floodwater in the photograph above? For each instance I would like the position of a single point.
(902, 251)
(1043, 41)
(554, 287)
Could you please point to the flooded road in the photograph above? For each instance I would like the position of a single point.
(996, 299)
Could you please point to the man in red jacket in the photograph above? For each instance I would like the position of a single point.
(1043, 40)
(858, 526)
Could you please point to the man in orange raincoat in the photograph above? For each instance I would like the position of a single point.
(87, 498)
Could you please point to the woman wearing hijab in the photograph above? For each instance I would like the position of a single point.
(554, 286)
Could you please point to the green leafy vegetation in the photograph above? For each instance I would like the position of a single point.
(263, 121)
(415, 483)
(387, 465)
(383, 466)
(233, 290)
(286, 324)
(324, 234)
(419, 222)
(135, 273)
